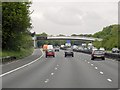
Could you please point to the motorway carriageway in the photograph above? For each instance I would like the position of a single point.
(79, 71)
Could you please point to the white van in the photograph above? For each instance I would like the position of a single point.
(50, 47)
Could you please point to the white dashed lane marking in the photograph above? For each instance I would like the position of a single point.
(55, 68)
(109, 80)
(47, 80)
(52, 73)
(57, 65)
(96, 67)
(101, 72)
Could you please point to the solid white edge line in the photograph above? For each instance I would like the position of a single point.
(21, 66)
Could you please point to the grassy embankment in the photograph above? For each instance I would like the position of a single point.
(18, 54)
(110, 35)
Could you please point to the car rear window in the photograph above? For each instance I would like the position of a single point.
(50, 50)
(98, 52)
(115, 49)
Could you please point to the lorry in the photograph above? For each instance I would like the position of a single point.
(45, 47)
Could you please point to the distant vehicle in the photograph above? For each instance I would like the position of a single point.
(85, 49)
(57, 49)
(50, 52)
(102, 49)
(84, 45)
(50, 47)
(93, 49)
(115, 50)
(62, 46)
(98, 54)
(45, 47)
(90, 46)
(74, 47)
(68, 44)
(69, 52)
(80, 48)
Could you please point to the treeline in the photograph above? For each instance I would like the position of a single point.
(110, 36)
(82, 35)
(0, 26)
(15, 26)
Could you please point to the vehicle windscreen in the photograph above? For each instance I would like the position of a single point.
(50, 50)
(98, 52)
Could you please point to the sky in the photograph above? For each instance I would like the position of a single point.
(73, 16)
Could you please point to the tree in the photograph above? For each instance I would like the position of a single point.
(110, 36)
(42, 34)
(15, 24)
(74, 35)
(60, 35)
(0, 26)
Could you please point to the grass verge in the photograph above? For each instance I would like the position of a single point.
(18, 54)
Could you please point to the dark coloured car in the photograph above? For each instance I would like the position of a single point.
(50, 52)
(98, 54)
(69, 52)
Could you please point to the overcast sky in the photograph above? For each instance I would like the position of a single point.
(73, 16)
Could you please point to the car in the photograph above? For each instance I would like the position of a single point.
(69, 52)
(94, 48)
(62, 46)
(115, 50)
(57, 49)
(98, 54)
(50, 52)
(74, 46)
(85, 49)
(80, 48)
(102, 49)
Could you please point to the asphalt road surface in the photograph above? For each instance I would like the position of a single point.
(61, 72)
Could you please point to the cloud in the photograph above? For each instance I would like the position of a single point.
(75, 0)
(64, 15)
(74, 18)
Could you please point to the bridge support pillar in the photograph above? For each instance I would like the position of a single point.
(35, 42)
